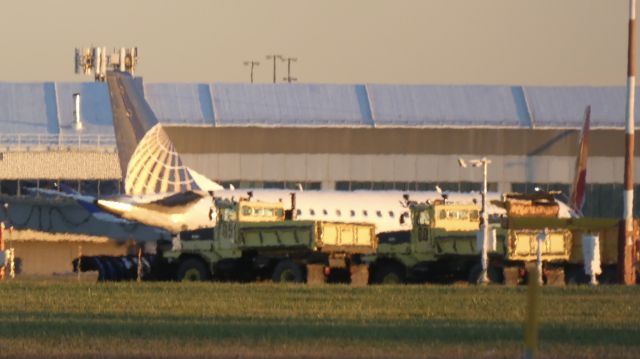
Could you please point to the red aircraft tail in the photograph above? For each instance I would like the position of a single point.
(580, 180)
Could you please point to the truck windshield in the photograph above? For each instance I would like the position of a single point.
(228, 214)
(424, 218)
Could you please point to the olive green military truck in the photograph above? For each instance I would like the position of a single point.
(253, 241)
(442, 245)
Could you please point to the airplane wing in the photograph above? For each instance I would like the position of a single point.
(86, 202)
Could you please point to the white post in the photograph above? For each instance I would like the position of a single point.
(540, 239)
(591, 256)
(76, 111)
(483, 231)
(12, 263)
(484, 228)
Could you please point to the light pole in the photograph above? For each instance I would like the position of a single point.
(275, 57)
(484, 228)
(252, 64)
(290, 79)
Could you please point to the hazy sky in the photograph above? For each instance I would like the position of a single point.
(554, 42)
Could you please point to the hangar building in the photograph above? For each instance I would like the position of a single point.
(323, 136)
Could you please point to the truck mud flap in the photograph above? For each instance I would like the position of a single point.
(315, 274)
(359, 274)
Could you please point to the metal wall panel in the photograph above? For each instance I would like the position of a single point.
(287, 105)
(444, 106)
(180, 103)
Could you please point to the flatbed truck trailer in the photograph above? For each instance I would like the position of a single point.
(443, 244)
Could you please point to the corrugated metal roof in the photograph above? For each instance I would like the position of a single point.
(444, 106)
(28, 108)
(564, 106)
(47, 108)
(180, 103)
(288, 105)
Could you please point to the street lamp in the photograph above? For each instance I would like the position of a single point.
(484, 228)
(289, 79)
(274, 57)
(252, 64)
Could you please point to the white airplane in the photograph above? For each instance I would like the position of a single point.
(164, 193)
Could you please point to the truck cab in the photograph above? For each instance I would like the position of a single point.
(443, 243)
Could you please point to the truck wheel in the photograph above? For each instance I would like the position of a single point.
(389, 274)
(287, 272)
(193, 270)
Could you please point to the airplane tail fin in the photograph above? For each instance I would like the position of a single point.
(148, 159)
(156, 167)
(580, 178)
(132, 115)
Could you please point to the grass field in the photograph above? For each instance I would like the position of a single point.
(56, 319)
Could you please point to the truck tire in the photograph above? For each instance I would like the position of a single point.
(389, 273)
(315, 274)
(193, 270)
(287, 271)
(359, 274)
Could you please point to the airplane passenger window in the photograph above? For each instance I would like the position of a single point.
(338, 213)
(298, 212)
(365, 213)
(312, 212)
(353, 213)
(391, 214)
(324, 211)
(379, 213)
